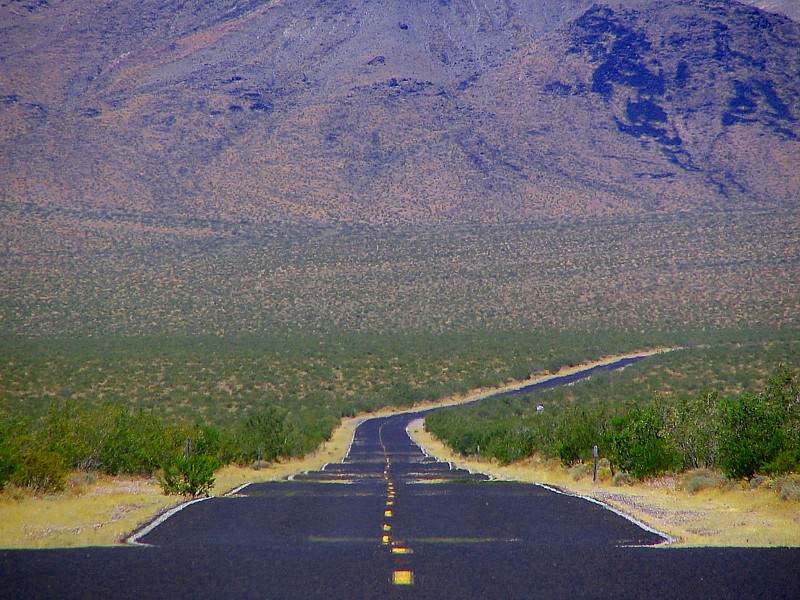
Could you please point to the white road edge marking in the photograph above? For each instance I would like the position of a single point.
(358, 423)
(133, 540)
(451, 465)
(235, 491)
(668, 538)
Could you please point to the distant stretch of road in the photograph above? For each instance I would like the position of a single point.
(390, 522)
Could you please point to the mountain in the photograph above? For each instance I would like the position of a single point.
(398, 112)
(789, 8)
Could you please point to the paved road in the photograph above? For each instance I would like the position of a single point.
(390, 522)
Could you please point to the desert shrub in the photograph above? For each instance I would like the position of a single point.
(139, 443)
(306, 430)
(9, 460)
(80, 478)
(622, 478)
(265, 431)
(604, 472)
(785, 461)
(16, 493)
(783, 394)
(466, 442)
(213, 441)
(8, 466)
(788, 488)
(577, 431)
(579, 471)
(759, 481)
(701, 479)
(189, 476)
(750, 435)
(691, 422)
(456, 429)
(511, 446)
(108, 437)
(42, 471)
(638, 444)
(74, 431)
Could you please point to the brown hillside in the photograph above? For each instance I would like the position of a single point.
(301, 110)
(789, 8)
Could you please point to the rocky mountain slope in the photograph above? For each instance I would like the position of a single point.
(789, 8)
(396, 112)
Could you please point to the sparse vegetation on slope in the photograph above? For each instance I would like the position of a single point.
(704, 272)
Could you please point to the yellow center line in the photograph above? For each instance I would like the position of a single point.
(400, 576)
(403, 578)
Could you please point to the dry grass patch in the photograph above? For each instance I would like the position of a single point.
(712, 516)
(95, 510)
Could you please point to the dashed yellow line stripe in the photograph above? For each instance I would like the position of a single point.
(400, 576)
(403, 578)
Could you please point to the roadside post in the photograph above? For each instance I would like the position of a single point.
(594, 470)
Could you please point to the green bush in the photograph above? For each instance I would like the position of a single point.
(639, 445)
(212, 441)
(783, 393)
(8, 466)
(266, 432)
(750, 435)
(785, 461)
(511, 446)
(190, 476)
(9, 461)
(577, 432)
(691, 422)
(139, 443)
(74, 432)
(43, 471)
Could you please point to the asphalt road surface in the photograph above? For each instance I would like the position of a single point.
(390, 522)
